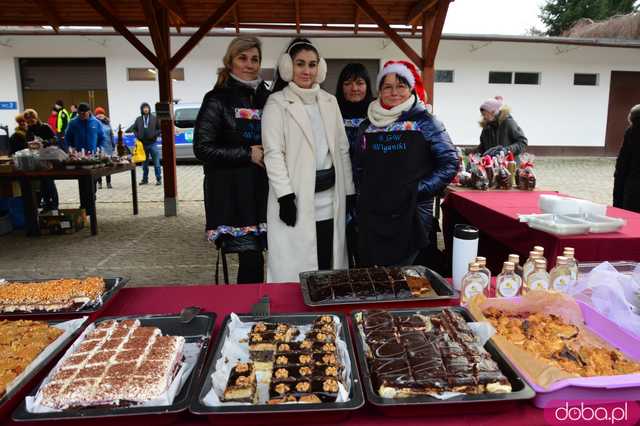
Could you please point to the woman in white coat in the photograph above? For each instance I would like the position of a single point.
(306, 153)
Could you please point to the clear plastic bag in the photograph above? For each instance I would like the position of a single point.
(613, 294)
(53, 153)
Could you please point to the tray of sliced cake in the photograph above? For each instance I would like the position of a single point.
(374, 285)
(283, 364)
(124, 366)
(432, 357)
(26, 349)
(57, 298)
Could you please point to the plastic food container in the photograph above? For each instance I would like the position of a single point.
(599, 223)
(558, 224)
(612, 388)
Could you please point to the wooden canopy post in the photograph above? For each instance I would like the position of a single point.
(167, 128)
(158, 20)
(432, 24)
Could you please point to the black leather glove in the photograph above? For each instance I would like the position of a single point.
(352, 201)
(495, 151)
(288, 209)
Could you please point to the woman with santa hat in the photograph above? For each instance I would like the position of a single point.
(404, 157)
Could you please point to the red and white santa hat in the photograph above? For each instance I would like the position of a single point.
(409, 72)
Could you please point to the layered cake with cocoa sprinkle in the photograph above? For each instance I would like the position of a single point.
(118, 363)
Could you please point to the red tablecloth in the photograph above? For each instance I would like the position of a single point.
(284, 298)
(496, 215)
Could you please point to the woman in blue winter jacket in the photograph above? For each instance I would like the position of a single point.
(403, 158)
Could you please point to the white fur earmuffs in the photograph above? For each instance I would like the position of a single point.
(285, 65)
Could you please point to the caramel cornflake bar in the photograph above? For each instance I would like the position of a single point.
(559, 343)
(241, 385)
(118, 362)
(50, 295)
(264, 339)
(20, 343)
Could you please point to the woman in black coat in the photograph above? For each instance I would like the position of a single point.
(227, 139)
(354, 95)
(626, 184)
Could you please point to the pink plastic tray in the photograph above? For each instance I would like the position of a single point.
(603, 388)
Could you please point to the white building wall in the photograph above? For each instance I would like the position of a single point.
(552, 113)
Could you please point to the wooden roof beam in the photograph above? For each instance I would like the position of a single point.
(213, 20)
(297, 5)
(176, 10)
(148, 7)
(420, 9)
(390, 32)
(356, 20)
(122, 29)
(50, 14)
(432, 32)
(236, 18)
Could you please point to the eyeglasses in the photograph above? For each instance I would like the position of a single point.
(390, 89)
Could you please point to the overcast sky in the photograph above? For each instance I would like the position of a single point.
(513, 17)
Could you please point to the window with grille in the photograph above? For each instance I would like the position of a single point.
(500, 77)
(580, 79)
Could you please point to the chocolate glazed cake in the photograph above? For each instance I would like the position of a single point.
(417, 355)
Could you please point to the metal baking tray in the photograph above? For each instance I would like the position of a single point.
(280, 413)
(197, 330)
(626, 267)
(13, 397)
(456, 405)
(112, 287)
(440, 286)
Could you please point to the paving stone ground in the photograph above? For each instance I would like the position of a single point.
(152, 249)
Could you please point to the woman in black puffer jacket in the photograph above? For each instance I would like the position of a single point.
(227, 139)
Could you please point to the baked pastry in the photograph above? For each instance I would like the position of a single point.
(20, 343)
(241, 385)
(559, 343)
(53, 295)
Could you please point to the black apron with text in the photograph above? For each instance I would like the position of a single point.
(394, 159)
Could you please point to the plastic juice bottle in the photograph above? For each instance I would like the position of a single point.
(472, 283)
(515, 259)
(482, 262)
(560, 276)
(529, 265)
(539, 278)
(572, 263)
(508, 283)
